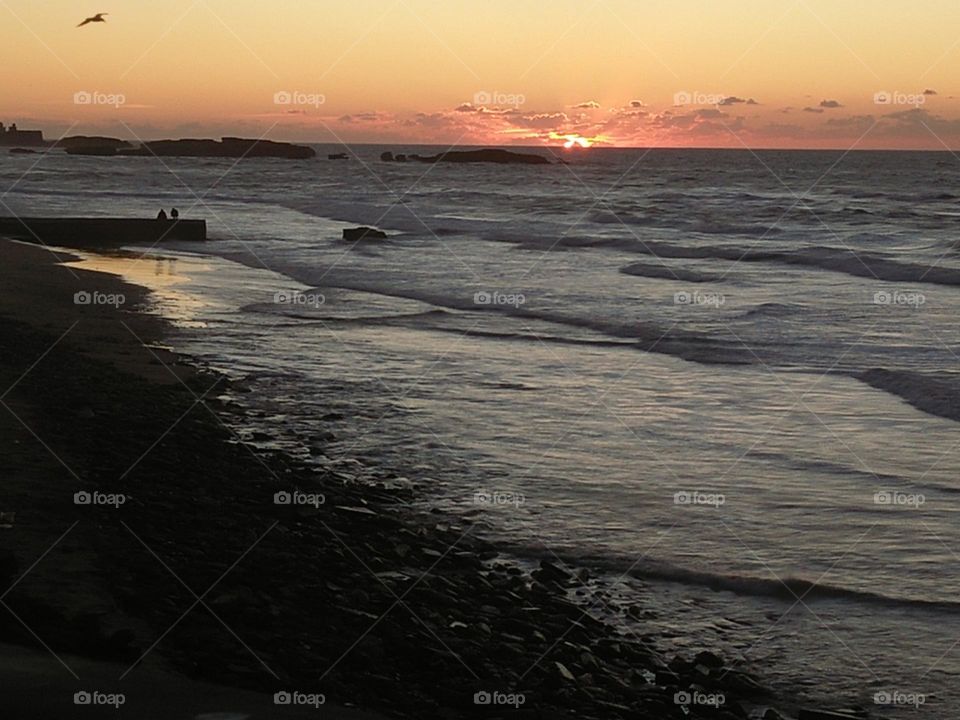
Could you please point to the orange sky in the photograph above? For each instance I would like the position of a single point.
(756, 73)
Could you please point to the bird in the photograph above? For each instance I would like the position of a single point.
(99, 17)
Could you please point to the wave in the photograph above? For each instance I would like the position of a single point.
(787, 589)
(665, 272)
(933, 393)
(858, 264)
(772, 309)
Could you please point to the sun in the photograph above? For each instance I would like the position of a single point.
(576, 141)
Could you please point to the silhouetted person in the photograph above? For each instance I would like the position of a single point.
(175, 213)
(162, 215)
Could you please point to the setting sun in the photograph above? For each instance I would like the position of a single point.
(575, 141)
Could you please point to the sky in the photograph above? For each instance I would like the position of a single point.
(634, 73)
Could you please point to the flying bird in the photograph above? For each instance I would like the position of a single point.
(99, 17)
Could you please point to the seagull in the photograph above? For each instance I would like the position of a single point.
(96, 18)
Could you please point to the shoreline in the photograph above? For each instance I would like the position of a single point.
(438, 617)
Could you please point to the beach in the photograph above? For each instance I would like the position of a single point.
(183, 558)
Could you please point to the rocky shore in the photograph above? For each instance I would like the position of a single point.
(183, 546)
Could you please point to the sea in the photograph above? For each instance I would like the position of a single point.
(726, 384)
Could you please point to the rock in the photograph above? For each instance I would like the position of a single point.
(363, 233)
(708, 659)
(554, 572)
(502, 157)
(386, 157)
(228, 147)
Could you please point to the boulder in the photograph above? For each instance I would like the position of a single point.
(363, 233)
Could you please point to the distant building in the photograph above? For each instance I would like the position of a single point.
(20, 138)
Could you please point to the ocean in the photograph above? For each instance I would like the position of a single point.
(725, 383)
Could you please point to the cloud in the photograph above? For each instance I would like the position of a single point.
(857, 121)
(734, 100)
(481, 110)
(919, 122)
(365, 117)
(636, 103)
(928, 91)
(542, 120)
(588, 105)
(710, 113)
(830, 104)
(813, 110)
